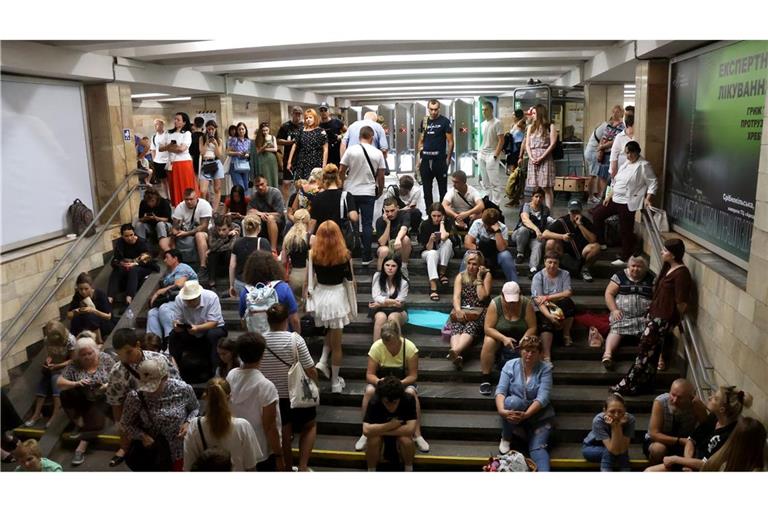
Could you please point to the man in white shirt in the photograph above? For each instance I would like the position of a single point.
(632, 189)
(618, 157)
(463, 202)
(410, 199)
(361, 180)
(190, 229)
(488, 158)
(159, 158)
(255, 398)
(198, 324)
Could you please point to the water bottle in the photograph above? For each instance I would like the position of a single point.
(131, 318)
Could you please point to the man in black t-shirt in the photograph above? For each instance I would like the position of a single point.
(392, 228)
(155, 215)
(333, 128)
(434, 155)
(194, 150)
(286, 137)
(572, 236)
(390, 416)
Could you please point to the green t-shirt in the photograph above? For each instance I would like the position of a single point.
(46, 465)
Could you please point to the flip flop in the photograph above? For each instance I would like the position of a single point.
(434, 296)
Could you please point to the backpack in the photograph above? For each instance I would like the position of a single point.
(80, 217)
(258, 299)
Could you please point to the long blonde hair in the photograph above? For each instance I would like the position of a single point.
(465, 277)
(296, 238)
(218, 414)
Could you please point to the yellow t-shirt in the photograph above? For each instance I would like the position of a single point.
(381, 355)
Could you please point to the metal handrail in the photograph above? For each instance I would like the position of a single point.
(694, 352)
(8, 345)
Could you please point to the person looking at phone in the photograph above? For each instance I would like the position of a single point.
(489, 235)
(90, 310)
(435, 238)
(580, 247)
(197, 324)
(131, 264)
(154, 218)
(551, 293)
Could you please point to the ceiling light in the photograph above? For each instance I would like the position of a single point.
(412, 72)
(149, 95)
(178, 98)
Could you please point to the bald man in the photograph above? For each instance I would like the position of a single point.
(352, 136)
(674, 417)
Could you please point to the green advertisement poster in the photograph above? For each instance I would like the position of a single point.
(717, 103)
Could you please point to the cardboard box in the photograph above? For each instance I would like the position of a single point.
(569, 183)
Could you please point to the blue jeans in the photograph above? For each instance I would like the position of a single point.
(504, 259)
(365, 204)
(607, 460)
(239, 178)
(160, 320)
(536, 432)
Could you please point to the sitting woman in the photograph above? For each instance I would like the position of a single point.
(30, 458)
(390, 291)
(59, 345)
(397, 356)
(551, 293)
(227, 350)
(509, 318)
(218, 429)
(221, 237)
(90, 309)
(296, 251)
(628, 297)
(471, 292)
(724, 406)
(612, 432)
(262, 268)
(435, 238)
(744, 450)
(160, 408)
(243, 247)
(83, 392)
(236, 205)
(160, 316)
(522, 401)
(534, 219)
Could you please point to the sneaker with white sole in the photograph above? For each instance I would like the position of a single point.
(486, 389)
(421, 444)
(586, 276)
(323, 368)
(338, 386)
(618, 262)
(504, 446)
(361, 444)
(366, 263)
(78, 459)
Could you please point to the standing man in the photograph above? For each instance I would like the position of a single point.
(333, 129)
(363, 165)
(488, 160)
(159, 158)
(352, 136)
(286, 138)
(267, 203)
(435, 150)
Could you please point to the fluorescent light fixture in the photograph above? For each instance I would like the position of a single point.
(451, 93)
(178, 98)
(414, 72)
(453, 87)
(464, 80)
(149, 95)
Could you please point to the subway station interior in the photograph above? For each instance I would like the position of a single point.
(74, 113)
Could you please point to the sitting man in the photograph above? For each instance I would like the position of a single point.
(674, 418)
(489, 236)
(579, 241)
(221, 237)
(463, 202)
(410, 199)
(197, 324)
(267, 203)
(131, 264)
(392, 228)
(391, 416)
(190, 228)
(155, 216)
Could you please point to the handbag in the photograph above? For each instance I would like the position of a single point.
(349, 288)
(554, 310)
(347, 227)
(241, 165)
(373, 171)
(470, 314)
(209, 169)
(155, 457)
(659, 218)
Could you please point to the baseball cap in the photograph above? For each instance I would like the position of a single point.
(151, 373)
(574, 205)
(511, 291)
(324, 105)
(191, 290)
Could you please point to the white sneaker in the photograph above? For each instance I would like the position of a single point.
(361, 444)
(504, 446)
(421, 444)
(619, 263)
(323, 368)
(603, 247)
(338, 386)
(593, 200)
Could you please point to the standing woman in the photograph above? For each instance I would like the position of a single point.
(310, 149)
(90, 309)
(238, 149)
(471, 292)
(182, 172)
(390, 291)
(329, 264)
(265, 157)
(296, 251)
(670, 300)
(211, 168)
(539, 144)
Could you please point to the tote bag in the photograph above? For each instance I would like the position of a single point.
(302, 391)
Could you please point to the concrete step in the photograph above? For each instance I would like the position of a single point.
(464, 396)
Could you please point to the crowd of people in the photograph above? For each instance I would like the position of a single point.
(289, 264)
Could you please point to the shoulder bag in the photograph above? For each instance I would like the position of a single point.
(373, 171)
(155, 457)
(302, 391)
(347, 226)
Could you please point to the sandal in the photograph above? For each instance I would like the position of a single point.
(444, 280)
(458, 363)
(434, 296)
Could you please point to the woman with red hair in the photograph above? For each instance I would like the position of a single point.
(330, 263)
(310, 149)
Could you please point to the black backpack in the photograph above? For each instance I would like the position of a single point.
(80, 217)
